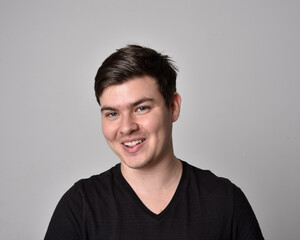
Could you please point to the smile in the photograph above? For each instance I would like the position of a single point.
(133, 143)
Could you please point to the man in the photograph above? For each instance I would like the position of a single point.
(151, 194)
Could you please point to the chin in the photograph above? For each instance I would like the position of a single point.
(135, 164)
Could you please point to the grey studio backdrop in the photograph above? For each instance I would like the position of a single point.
(239, 82)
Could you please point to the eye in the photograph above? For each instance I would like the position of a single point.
(111, 114)
(142, 109)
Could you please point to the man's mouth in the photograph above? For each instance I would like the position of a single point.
(133, 143)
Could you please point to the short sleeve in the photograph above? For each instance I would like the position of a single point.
(245, 225)
(66, 220)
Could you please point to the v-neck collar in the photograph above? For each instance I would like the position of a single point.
(139, 202)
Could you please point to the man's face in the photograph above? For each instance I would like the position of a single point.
(136, 122)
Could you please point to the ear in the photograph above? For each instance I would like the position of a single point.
(175, 106)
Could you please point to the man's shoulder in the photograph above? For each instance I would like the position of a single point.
(101, 182)
(204, 174)
(206, 181)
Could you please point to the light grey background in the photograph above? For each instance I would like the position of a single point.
(239, 81)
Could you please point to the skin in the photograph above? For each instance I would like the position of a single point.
(136, 111)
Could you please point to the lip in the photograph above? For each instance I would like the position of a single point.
(135, 148)
(132, 139)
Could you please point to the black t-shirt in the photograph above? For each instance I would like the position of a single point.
(106, 207)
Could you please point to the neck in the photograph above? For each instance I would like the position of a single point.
(156, 178)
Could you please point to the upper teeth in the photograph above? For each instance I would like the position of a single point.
(133, 143)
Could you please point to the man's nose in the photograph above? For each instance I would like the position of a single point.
(128, 125)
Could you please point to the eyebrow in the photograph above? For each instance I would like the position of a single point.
(134, 104)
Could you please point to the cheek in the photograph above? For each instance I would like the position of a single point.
(109, 130)
(156, 124)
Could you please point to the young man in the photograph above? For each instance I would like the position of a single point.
(151, 194)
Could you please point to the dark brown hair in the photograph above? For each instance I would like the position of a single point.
(136, 61)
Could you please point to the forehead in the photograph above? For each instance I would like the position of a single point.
(131, 91)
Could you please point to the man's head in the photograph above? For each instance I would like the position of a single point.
(135, 87)
(136, 61)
